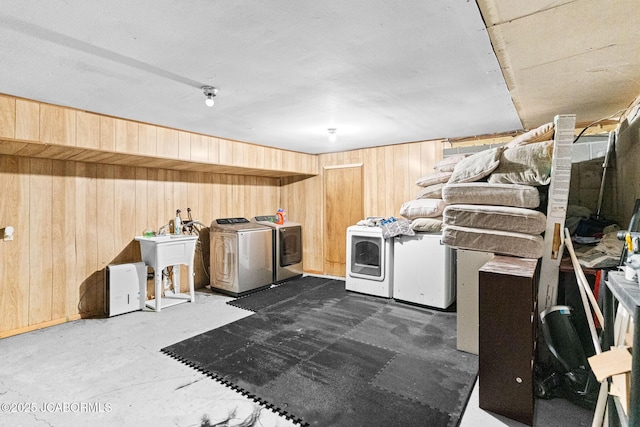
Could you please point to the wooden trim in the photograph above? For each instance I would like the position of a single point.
(35, 149)
(46, 324)
(352, 165)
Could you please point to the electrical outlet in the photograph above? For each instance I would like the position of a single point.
(7, 233)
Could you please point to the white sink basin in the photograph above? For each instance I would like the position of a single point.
(166, 237)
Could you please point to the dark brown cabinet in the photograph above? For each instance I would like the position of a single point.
(507, 335)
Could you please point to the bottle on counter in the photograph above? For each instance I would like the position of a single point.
(177, 223)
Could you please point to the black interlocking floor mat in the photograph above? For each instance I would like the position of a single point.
(323, 356)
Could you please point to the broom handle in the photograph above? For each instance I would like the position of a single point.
(583, 284)
(603, 393)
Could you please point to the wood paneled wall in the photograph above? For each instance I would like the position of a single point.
(72, 219)
(90, 183)
(390, 173)
(33, 129)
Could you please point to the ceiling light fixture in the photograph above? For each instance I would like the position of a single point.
(332, 134)
(209, 93)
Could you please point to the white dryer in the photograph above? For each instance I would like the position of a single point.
(369, 261)
(423, 270)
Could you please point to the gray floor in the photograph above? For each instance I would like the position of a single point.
(110, 372)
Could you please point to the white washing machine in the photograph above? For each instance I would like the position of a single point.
(369, 261)
(423, 270)
(241, 256)
(287, 248)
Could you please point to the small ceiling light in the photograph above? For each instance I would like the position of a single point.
(332, 134)
(209, 93)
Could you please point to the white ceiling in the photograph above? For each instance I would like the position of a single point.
(380, 71)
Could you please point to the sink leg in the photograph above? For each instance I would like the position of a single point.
(176, 279)
(191, 284)
(158, 276)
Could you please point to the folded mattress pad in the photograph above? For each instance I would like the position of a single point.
(504, 218)
(495, 241)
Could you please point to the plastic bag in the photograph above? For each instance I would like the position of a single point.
(394, 227)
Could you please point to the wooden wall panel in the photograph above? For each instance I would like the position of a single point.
(44, 130)
(88, 130)
(290, 160)
(184, 145)
(153, 198)
(217, 185)
(124, 212)
(303, 200)
(414, 170)
(141, 205)
(256, 156)
(199, 148)
(107, 133)
(402, 178)
(240, 153)
(226, 152)
(272, 158)
(389, 175)
(164, 213)
(112, 204)
(40, 242)
(225, 204)
(105, 225)
(11, 147)
(430, 153)
(237, 201)
(147, 139)
(126, 136)
(167, 143)
(214, 149)
(57, 125)
(181, 197)
(27, 120)
(63, 239)
(14, 255)
(371, 189)
(7, 117)
(205, 197)
(181, 192)
(343, 207)
(87, 280)
(266, 203)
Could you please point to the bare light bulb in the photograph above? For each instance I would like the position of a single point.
(209, 93)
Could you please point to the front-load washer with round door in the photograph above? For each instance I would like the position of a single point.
(287, 248)
(369, 261)
(241, 256)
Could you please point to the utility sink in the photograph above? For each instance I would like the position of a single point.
(162, 251)
(163, 238)
(168, 249)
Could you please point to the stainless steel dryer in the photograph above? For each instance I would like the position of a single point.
(287, 248)
(241, 256)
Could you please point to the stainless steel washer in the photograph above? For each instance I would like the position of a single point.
(241, 256)
(287, 248)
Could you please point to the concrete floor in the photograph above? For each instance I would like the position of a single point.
(110, 371)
